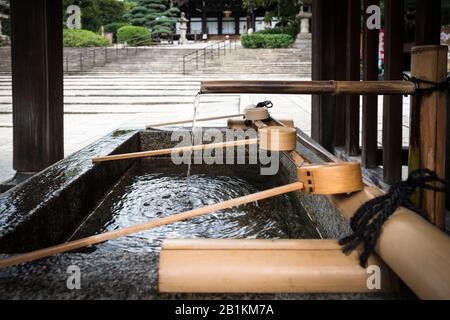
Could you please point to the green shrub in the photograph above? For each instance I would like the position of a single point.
(261, 40)
(291, 29)
(134, 36)
(83, 38)
(114, 27)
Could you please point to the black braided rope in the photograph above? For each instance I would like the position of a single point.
(443, 86)
(368, 220)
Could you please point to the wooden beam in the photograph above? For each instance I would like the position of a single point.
(353, 74)
(370, 103)
(428, 22)
(393, 105)
(37, 80)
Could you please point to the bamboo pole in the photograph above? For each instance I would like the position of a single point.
(309, 87)
(428, 127)
(81, 243)
(154, 153)
(174, 123)
(262, 266)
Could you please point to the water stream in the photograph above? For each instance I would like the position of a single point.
(194, 120)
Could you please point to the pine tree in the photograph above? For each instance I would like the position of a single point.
(155, 14)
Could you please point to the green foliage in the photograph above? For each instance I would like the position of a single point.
(269, 41)
(97, 13)
(155, 14)
(90, 13)
(291, 29)
(6, 27)
(134, 36)
(114, 27)
(445, 17)
(111, 11)
(83, 38)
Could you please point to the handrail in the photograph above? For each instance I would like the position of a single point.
(203, 52)
(87, 52)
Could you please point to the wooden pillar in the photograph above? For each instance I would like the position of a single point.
(428, 139)
(428, 22)
(392, 109)
(204, 22)
(237, 24)
(323, 68)
(341, 72)
(370, 103)
(37, 79)
(353, 74)
(219, 24)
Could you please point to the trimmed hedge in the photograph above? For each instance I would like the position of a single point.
(83, 38)
(269, 41)
(134, 36)
(114, 27)
(292, 30)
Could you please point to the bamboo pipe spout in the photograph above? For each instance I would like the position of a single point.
(309, 87)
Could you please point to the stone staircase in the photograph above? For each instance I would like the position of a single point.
(262, 61)
(169, 60)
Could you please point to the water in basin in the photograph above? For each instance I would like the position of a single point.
(149, 192)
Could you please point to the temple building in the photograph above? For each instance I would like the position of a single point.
(217, 18)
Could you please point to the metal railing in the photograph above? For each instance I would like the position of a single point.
(90, 58)
(208, 53)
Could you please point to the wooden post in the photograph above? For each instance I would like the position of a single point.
(341, 73)
(354, 74)
(220, 24)
(393, 105)
(428, 126)
(237, 24)
(37, 80)
(323, 68)
(428, 22)
(370, 103)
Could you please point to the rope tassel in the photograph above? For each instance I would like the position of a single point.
(370, 217)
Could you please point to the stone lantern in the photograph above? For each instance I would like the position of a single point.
(304, 38)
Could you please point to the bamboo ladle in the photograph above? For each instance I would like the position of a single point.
(324, 179)
(271, 138)
(252, 113)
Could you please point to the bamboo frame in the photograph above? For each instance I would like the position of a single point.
(428, 127)
(262, 266)
(309, 87)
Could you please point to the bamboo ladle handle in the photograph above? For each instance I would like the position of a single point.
(81, 243)
(165, 124)
(155, 153)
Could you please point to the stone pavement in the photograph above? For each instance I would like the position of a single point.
(98, 104)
